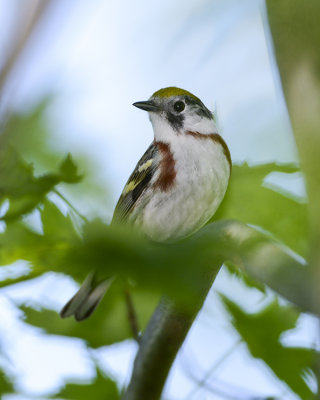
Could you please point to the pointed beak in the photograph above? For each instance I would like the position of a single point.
(148, 105)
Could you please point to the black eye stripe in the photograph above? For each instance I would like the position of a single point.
(179, 106)
(175, 120)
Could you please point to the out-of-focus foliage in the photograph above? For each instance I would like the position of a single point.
(110, 319)
(5, 385)
(21, 188)
(59, 248)
(100, 388)
(177, 270)
(118, 251)
(26, 154)
(30, 134)
(295, 31)
(261, 332)
(249, 201)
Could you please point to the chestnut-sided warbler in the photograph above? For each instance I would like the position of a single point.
(177, 185)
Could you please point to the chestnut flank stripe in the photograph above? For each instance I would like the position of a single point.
(216, 138)
(167, 168)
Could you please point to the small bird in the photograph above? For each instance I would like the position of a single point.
(177, 185)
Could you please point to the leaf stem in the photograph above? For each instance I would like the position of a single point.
(132, 316)
(70, 205)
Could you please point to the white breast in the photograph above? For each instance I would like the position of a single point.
(200, 185)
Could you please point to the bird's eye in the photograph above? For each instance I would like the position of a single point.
(179, 106)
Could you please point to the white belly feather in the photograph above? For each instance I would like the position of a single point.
(200, 185)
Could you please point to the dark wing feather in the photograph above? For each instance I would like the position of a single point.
(136, 184)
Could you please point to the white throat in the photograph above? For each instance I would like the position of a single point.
(164, 132)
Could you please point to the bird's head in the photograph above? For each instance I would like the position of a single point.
(174, 111)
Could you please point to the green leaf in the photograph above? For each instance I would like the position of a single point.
(248, 201)
(101, 388)
(39, 142)
(244, 277)
(5, 384)
(45, 251)
(108, 324)
(21, 278)
(28, 133)
(261, 332)
(19, 185)
(57, 226)
(69, 171)
(177, 270)
(116, 250)
(18, 242)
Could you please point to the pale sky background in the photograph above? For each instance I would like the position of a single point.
(99, 57)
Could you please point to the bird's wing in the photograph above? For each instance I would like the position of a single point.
(138, 182)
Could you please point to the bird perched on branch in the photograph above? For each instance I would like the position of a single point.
(177, 185)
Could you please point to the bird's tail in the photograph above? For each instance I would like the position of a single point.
(86, 300)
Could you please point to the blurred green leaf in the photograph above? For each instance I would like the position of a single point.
(28, 132)
(69, 171)
(248, 201)
(18, 242)
(261, 332)
(5, 384)
(19, 185)
(244, 277)
(45, 251)
(57, 226)
(108, 324)
(37, 141)
(22, 278)
(101, 388)
(116, 250)
(177, 270)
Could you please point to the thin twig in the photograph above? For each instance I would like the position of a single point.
(132, 316)
(70, 205)
(21, 39)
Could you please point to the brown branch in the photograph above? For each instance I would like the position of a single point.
(160, 343)
(24, 32)
(22, 37)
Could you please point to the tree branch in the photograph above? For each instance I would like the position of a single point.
(255, 254)
(22, 36)
(160, 343)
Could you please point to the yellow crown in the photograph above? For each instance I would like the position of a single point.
(174, 91)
